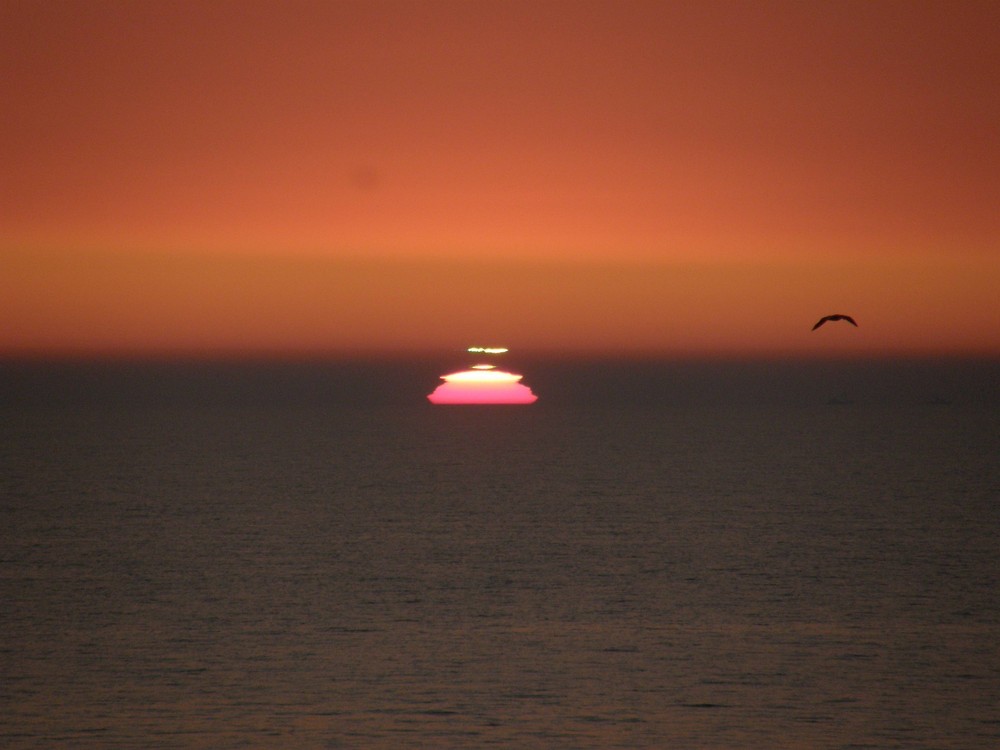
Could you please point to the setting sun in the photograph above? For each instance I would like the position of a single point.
(482, 386)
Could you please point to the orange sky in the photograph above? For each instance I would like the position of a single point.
(600, 177)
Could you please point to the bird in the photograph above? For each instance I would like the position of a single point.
(825, 318)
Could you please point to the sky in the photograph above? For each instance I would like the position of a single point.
(613, 178)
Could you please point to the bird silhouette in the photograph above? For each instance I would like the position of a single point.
(825, 318)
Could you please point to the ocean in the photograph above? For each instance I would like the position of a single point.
(744, 555)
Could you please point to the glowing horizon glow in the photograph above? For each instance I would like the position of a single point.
(482, 387)
(484, 367)
(164, 199)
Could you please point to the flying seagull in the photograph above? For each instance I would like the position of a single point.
(825, 318)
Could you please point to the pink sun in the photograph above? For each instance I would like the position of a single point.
(482, 386)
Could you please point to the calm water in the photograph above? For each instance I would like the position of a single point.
(658, 556)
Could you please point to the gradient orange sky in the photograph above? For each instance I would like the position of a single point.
(666, 178)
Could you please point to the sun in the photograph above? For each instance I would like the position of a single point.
(482, 384)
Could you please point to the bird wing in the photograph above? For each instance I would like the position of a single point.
(836, 316)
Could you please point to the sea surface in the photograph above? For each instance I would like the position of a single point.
(654, 555)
